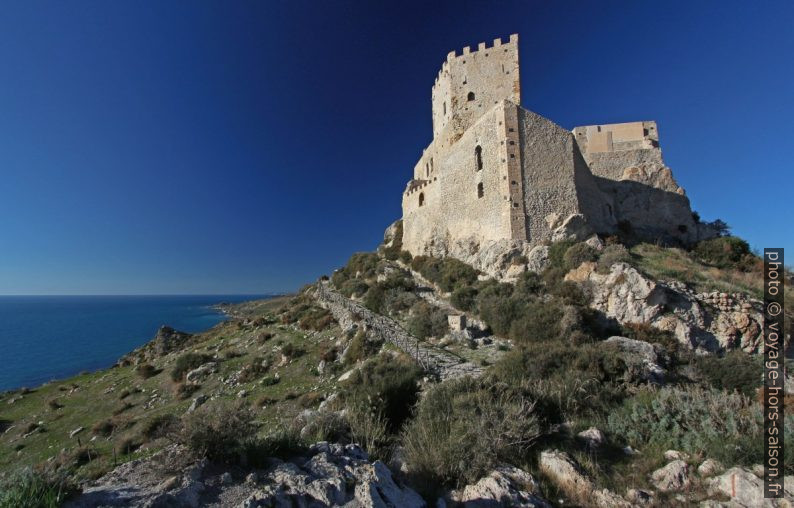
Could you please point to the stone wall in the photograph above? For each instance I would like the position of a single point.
(491, 74)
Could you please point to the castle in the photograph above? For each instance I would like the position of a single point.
(497, 172)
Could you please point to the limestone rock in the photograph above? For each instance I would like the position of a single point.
(710, 467)
(672, 477)
(647, 356)
(538, 259)
(574, 228)
(593, 437)
(569, 477)
(198, 401)
(200, 372)
(639, 497)
(505, 486)
(676, 455)
(747, 490)
(76, 431)
(698, 321)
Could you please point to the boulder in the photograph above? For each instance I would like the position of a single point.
(198, 401)
(644, 355)
(745, 489)
(573, 228)
(201, 372)
(568, 476)
(671, 478)
(505, 486)
(710, 467)
(592, 437)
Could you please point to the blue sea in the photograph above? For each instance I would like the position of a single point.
(52, 337)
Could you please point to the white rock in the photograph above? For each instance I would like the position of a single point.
(592, 437)
(505, 486)
(710, 467)
(76, 431)
(676, 455)
(672, 477)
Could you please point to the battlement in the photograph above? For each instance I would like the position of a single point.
(482, 46)
(617, 137)
(470, 83)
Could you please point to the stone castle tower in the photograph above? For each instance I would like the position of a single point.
(496, 173)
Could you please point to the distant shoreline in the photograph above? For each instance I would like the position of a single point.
(57, 337)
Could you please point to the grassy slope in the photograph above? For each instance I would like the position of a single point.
(91, 398)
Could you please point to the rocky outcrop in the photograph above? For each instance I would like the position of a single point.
(673, 477)
(334, 476)
(505, 486)
(709, 322)
(330, 475)
(645, 357)
(568, 476)
(167, 340)
(745, 489)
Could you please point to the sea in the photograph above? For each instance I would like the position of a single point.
(43, 338)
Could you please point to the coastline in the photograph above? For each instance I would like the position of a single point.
(86, 340)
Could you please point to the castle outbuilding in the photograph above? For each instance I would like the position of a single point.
(497, 172)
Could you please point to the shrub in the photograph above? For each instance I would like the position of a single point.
(448, 273)
(464, 298)
(254, 370)
(328, 426)
(370, 429)
(218, 431)
(186, 363)
(557, 252)
(397, 301)
(315, 318)
(146, 370)
(54, 404)
(725, 252)
(464, 427)
(577, 254)
(613, 253)
(566, 368)
(159, 426)
(737, 371)
(353, 287)
(103, 428)
(427, 321)
(724, 426)
(538, 321)
(528, 284)
(360, 347)
(35, 489)
(374, 298)
(387, 386)
(291, 351)
(185, 390)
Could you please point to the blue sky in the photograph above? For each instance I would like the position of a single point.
(248, 147)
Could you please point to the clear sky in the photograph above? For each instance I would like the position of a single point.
(248, 147)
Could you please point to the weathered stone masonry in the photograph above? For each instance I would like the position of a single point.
(497, 172)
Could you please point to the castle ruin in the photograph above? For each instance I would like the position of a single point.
(496, 172)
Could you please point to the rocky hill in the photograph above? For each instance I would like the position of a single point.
(601, 373)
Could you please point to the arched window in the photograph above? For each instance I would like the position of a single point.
(478, 157)
(470, 96)
(445, 108)
(421, 198)
(480, 191)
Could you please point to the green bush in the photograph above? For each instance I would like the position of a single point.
(35, 489)
(614, 253)
(724, 426)
(255, 369)
(387, 387)
(219, 431)
(584, 379)
(374, 299)
(146, 370)
(464, 298)
(158, 426)
(557, 252)
(577, 254)
(353, 287)
(361, 347)
(538, 321)
(315, 318)
(427, 321)
(448, 273)
(396, 301)
(725, 252)
(186, 363)
(463, 428)
(737, 371)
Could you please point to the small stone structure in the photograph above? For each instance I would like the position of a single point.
(496, 172)
(457, 322)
